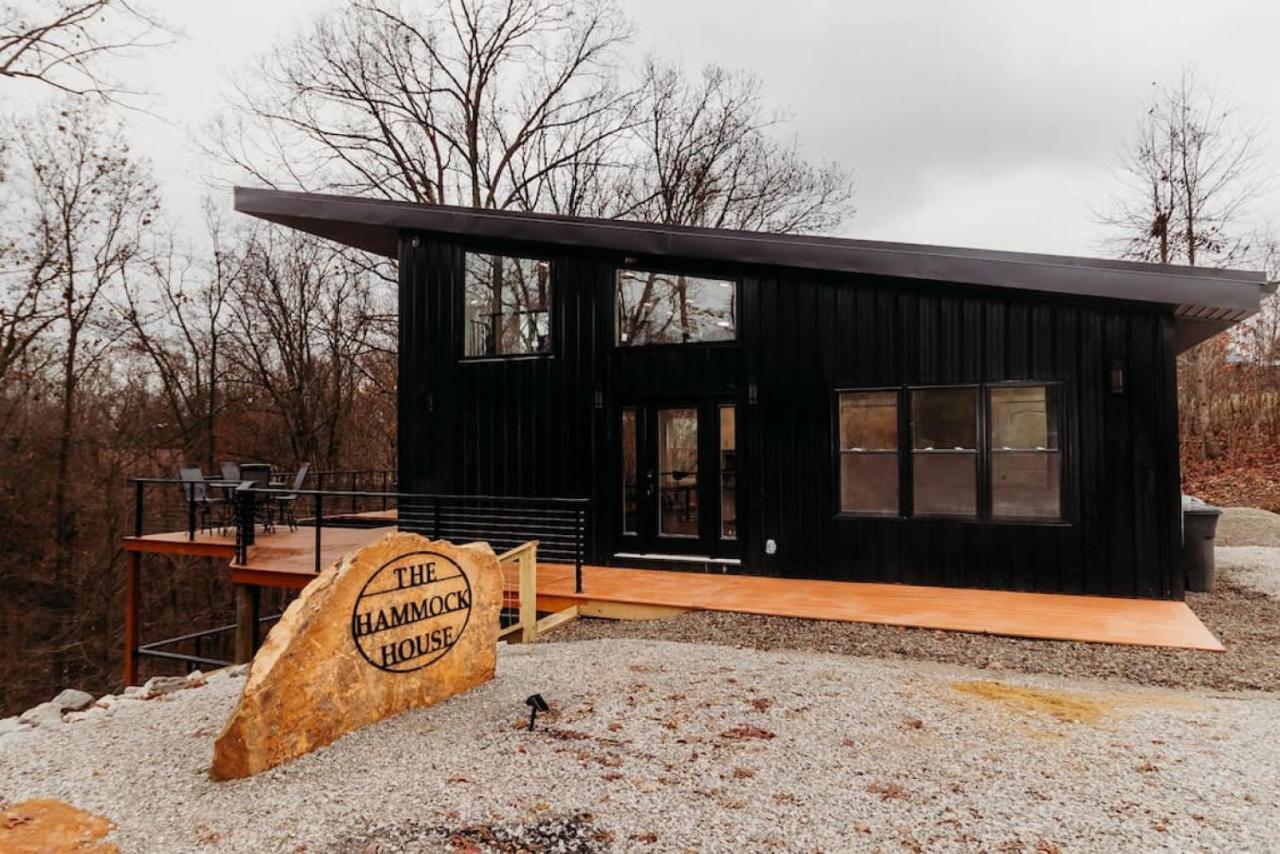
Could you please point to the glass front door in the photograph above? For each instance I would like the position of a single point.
(678, 473)
(678, 479)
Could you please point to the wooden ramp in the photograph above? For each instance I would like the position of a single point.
(284, 558)
(1047, 616)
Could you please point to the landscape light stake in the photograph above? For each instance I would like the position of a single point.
(536, 704)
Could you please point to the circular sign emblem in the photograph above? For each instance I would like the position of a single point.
(411, 611)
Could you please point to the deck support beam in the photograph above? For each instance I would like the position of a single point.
(248, 602)
(132, 596)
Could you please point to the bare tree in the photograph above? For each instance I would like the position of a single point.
(1191, 173)
(301, 320)
(443, 105)
(176, 315)
(1257, 340)
(92, 204)
(63, 43)
(26, 275)
(708, 157)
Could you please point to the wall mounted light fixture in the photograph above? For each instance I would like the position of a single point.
(1117, 376)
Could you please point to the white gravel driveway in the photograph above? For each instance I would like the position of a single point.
(673, 746)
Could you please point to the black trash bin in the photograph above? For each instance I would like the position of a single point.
(1199, 526)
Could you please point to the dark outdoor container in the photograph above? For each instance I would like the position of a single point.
(1199, 527)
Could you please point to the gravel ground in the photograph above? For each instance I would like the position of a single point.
(1243, 612)
(667, 746)
(1247, 622)
(1248, 526)
(1254, 567)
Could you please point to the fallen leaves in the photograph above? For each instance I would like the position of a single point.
(887, 791)
(746, 731)
(206, 835)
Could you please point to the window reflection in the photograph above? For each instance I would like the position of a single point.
(728, 474)
(508, 304)
(667, 308)
(630, 474)
(1026, 460)
(869, 452)
(678, 472)
(944, 457)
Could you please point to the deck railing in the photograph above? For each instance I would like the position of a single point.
(558, 524)
(165, 504)
(250, 511)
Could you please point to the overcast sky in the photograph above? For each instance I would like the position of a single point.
(976, 123)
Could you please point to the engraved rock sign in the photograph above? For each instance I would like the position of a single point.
(401, 623)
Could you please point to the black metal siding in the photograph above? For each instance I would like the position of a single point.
(534, 426)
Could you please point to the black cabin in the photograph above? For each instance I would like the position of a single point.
(792, 405)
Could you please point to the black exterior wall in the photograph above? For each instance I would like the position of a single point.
(547, 425)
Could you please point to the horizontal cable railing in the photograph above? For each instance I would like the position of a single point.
(216, 517)
(247, 510)
(170, 504)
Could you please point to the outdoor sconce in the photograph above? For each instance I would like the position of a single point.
(1117, 376)
(536, 704)
(753, 393)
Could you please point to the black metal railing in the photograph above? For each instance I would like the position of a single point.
(248, 511)
(558, 524)
(169, 504)
(156, 649)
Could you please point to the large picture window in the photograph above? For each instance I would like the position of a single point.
(508, 305)
(972, 452)
(1026, 455)
(670, 308)
(869, 452)
(944, 451)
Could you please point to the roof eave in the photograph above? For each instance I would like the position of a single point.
(1203, 299)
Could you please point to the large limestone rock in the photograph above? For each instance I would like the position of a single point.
(402, 623)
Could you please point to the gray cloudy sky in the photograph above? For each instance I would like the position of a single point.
(975, 123)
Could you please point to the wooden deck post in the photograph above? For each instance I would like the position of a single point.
(248, 597)
(132, 595)
(529, 594)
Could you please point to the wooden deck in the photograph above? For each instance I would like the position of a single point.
(284, 558)
(1047, 616)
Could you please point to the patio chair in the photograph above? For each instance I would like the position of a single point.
(286, 505)
(196, 491)
(230, 472)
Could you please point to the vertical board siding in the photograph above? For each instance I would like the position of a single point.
(532, 426)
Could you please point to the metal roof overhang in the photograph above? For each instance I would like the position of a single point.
(1204, 301)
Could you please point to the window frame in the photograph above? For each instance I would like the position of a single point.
(461, 312)
(1065, 452)
(840, 452)
(907, 445)
(638, 267)
(906, 487)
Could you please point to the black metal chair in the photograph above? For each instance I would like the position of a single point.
(196, 491)
(286, 505)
